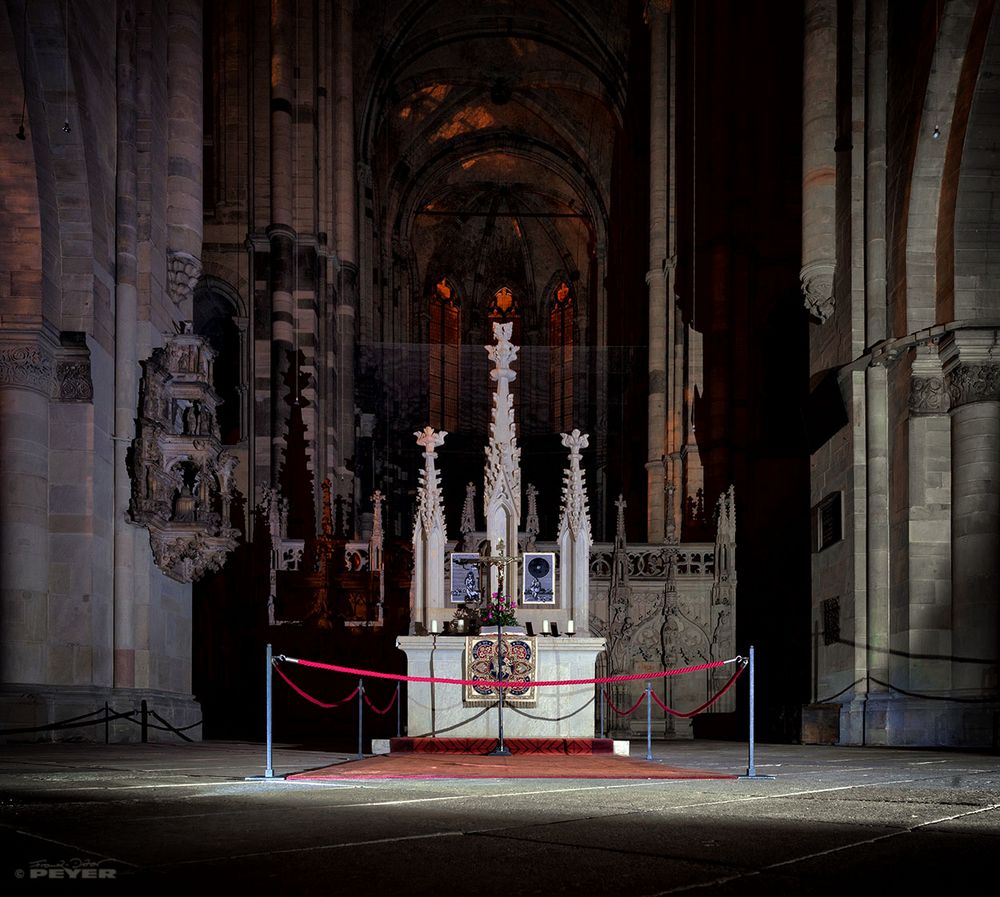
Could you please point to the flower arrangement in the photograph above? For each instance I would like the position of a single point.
(500, 610)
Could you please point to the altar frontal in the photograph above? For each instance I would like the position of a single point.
(519, 665)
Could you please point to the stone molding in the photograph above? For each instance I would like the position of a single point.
(27, 365)
(968, 383)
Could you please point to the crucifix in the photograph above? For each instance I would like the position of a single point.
(501, 560)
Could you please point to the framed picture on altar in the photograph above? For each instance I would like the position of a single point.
(538, 578)
(464, 577)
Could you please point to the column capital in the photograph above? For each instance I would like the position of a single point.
(656, 7)
(928, 389)
(970, 359)
(26, 362)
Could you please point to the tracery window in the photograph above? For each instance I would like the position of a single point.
(504, 308)
(561, 357)
(445, 340)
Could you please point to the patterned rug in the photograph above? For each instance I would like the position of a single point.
(525, 766)
(519, 653)
(483, 746)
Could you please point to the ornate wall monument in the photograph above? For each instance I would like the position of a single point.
(182, 478)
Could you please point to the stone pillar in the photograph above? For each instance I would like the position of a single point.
(281, 232)
(346, 203)
(26, 365)
(656, 277)
(877, 533)
(819, 133)
(185, 151)
(973, 378)
(600, 363)
(126, 351)
(929, 537)
(875, 149)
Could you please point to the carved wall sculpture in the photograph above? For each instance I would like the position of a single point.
(182, 477)
(666, 606)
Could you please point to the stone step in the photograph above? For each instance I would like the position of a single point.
(514, 745)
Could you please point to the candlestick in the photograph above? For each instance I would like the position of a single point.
(434, 626)
(545, 628)
(570, 629)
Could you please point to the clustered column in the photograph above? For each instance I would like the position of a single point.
(281, 232)
(819, 132)
(656, 278)
(345, 180)
(973, 378)
(26, 365)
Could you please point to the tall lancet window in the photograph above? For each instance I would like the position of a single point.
(445, 348)
(561, 357)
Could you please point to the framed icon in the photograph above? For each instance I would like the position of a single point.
(538, 578)
(464, 577)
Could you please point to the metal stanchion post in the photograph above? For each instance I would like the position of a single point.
(361, 709)
(501, 749)
(751, 769)
(144, 717)
(751, 772)
(269, 768)
(649, 722)
(268, 742)
(603, 686)
(399, 710)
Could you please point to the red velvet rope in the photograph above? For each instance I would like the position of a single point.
(309, 697)
(708, 703)
(488, 683)
(388, 706)
(631, 709)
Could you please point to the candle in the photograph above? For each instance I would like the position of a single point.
(545, 628)
(570, 629)
(434, 626)
(461, 625)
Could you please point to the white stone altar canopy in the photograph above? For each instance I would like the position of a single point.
(440, 709)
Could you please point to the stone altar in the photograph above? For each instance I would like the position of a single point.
(438, 710)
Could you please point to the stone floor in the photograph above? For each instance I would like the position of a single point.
(155, 818)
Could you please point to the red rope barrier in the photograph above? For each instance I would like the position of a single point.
(309, 697)
(708, 703)
(388, 706)
(631, 709)
(488, 683)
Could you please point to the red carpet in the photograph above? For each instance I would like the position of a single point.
(521, 766)
(514, 745)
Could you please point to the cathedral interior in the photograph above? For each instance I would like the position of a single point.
(249, 248)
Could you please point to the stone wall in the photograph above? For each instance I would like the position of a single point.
(86, 616)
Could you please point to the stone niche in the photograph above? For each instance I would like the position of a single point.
(182, 477)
